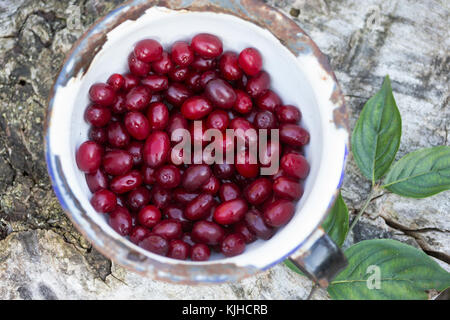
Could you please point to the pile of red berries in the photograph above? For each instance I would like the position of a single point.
(184, 211)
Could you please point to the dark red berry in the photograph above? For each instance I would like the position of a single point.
(168, 176)
(97, 116)
(156, 149)
(207, 232)
(229, 66)
(232, 245)
(163, 65)
(231, 211)
(89, 156)
(116, 81)
(97, 180)
(148, 50)
(117, 162)
(138, 198)
(104, 201)
(250, 61)
(149, 216)
(295, 165)
(120, 220)
(178, 249)
(288, 114)
(200, 252)
(126, 182)
(102, 94)
(278, 213)
(207, 45)
(182, 54)
(155, 243)
(220, 93)
(169, 229)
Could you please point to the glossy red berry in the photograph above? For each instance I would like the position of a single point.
(155, 243)
(169, 229)
(138, 67)
(229, 191)
(278, 213)
(200, 252)
(163, 65)
(138, 198)
(89, 156)
(97, 116)
(120, 220)
(156, 149)
(104, 201)
(118, 135)
(285, 187)
(196, 107)
(220, 93)
(233, 245)
(137, 125)
(243, 103)
(229, 66)
(258, 191)
(126, 182)
(250, 61)
(207, 45)
(137, 98)
(207, 232)
(138, 233)
(148, 50)
(231, 211)
(102, 94)
(295, 165)
(217, 119)
(97, 180)
(293, 135)
(117, 162)
(156, 82)
(199, 207)
(196, 176)
(168, 176)
(116, 81)
(255, 223)
(288, 114)
(258, 85)
(178, 249)
(149, 216)
(182, 54)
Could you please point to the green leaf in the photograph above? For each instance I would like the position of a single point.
(376, 136)
(336, 224)
(421, 173)
(404, 272)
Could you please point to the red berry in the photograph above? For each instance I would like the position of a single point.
(207, 45)
(104, 201)
(148, 50)
(230, 212)
(250, 61)
(89, 157)
(102, 94)
(149, 216)
(233, 245)
(120, 220)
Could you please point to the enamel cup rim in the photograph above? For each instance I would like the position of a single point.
(333, 121)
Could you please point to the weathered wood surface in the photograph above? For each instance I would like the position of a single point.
(43, 257)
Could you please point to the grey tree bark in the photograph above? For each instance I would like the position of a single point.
(43, 257)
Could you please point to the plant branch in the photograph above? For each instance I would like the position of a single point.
(364, 207)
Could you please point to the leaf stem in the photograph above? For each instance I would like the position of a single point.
(364, 207)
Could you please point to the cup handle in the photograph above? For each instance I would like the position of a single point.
(319, 258)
